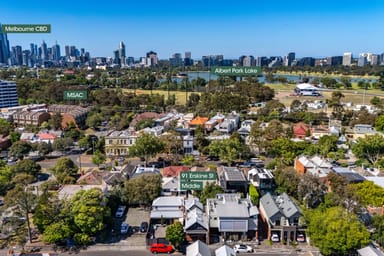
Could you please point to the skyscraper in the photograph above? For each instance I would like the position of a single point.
(122, 55)
(56, 52)
(4, 48)
(288, 60)
(187, 59)
(17, 55)
(347, 59)
(44, 51)
(151, 59)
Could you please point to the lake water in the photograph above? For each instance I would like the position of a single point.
(292, 78)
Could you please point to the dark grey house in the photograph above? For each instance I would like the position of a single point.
(281, 216)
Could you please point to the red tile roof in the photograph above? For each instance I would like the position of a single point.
(173, 171)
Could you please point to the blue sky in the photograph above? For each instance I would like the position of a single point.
(233, 28)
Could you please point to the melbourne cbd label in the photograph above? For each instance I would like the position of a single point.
(75, 95)
(26, 28)
(236, 71)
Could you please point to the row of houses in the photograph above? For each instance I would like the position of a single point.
(37, 114)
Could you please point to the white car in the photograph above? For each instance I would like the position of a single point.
(275, 238)
(300, 238)
(120, 211)
(124, 228)
(242, 248)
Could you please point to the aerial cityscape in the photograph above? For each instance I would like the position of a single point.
(199, 129)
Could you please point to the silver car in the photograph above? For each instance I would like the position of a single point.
(242, 248)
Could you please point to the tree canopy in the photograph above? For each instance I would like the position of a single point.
(175, 233)
(370, 147)
(65, 170)
(142, 189)
(147, 146)
(335, 231)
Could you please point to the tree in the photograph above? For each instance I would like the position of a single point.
(22, 198)
(147, 146)
(378, 225)
(175, 233)
(210, 190)
(368, 193)
(56, 120)
(379, 124)
(335, 231)
(370, 147)
(377, 102)
(142, 189)
(188, 160)
(335, 103)
(61, 144)
(47, 210)
(44, 148)
(14, 136)
(287, 180)
(57, 232)
(229, 149)
(27, 166)
(98, 158)
(94, 120)
(20, 149)
(254, 195)
(144, 124)
(256, 136)
(5, 127)
(89, 210)
(65, 170)
(311, 190)
(6, 175)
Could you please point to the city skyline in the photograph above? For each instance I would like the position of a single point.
(248, 28)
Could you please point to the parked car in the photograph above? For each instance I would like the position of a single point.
(120, 211)
(300, 238)
(124, 228)
(275, 238)
(161, 248)
(144, 227)
(242, 248)
(213, 158)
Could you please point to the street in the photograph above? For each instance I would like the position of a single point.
(147, 252)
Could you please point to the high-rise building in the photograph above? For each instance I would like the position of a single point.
(116, 58)
(4, 48)
(334, 60)
(288, 60)
(44, 51)
(122, 55)
(8, 94)
(67, 51)
(248, 61)
(261, 61)
(56, 55)
(188, 59)
(306, 61)
(152, 59)
(347, 59)
(27, 58)
(374, 59)
(17, 55)
(362, 61)
(130, 60)
(176, 60)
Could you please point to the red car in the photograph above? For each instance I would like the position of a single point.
(161, 248)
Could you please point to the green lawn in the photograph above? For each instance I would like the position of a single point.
(180, 96)
(355, 95)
